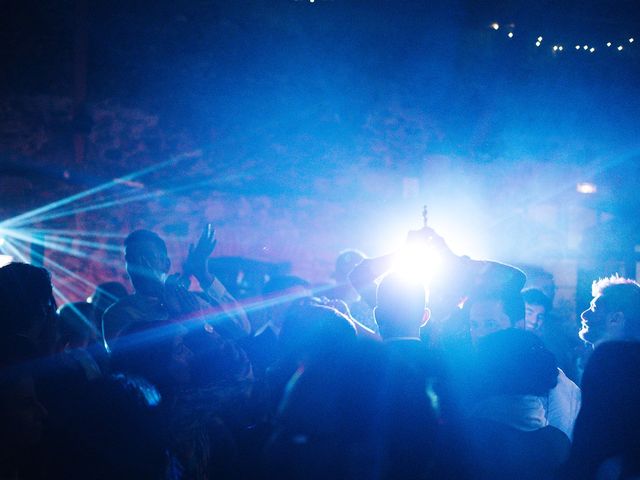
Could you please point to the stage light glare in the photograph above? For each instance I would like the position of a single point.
(620, 48)
(577, 47)
(495, 26)
(537, 44)
(560, 48)
(592, 49)
(540, 39)
(631, 40)
(418, 262)
(510, 34)
(586, 47)
(586, 188)
(5, 260)
(555, 48)
(608, 44)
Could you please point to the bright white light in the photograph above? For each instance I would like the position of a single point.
(560, 48)
(592, 49)
(5, 260)
(418, 262)
(586, 47)
(495, 26)
(608, 44)
(620, 48)
(587, 188)
(539, 39)
(1, 241)
(555, 48)
(631, 40)
(537, 44)
(510, 34)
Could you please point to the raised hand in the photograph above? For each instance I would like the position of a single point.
(196, 263)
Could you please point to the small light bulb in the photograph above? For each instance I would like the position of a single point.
(540, 39)
(608, 44)
(620, 47)
(555, 48)
(592, 49)
(560, 48)
(577, 47)
(537, 44)
(631, 40)
(495, 26)
(510, 34)
(586, 47)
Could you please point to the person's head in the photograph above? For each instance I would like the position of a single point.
(105, 295)
(614, 312)
(536, 307)
(147, 260)
(347, 260)
(400, 306)
(77, 326)
(312, 332)
(27, 305)
(489, 313)
(515, 362)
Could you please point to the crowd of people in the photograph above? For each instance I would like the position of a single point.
(458, 374)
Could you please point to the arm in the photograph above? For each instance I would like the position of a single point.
(215, 292)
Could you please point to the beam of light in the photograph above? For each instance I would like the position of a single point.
(21, 219)
(124, 200)
(53, 267)
(62, 241)
(72, 233)
(56, 266)
(5, 260)
(17, 253)
(75, 310)
(18, 236)
(418, 262)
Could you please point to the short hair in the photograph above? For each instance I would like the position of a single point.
(511, 300)
(401, 297)
(347, 260)
(314, 331)
(24, 291)
(535, 296)
(136, 244)
(619, 294)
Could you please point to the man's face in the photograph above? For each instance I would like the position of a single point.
(594, 322)
(486, 317)
(534, 316)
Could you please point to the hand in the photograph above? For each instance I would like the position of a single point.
(196, 263)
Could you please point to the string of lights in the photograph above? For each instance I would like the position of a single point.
(591, 47)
